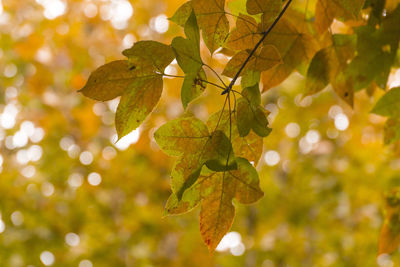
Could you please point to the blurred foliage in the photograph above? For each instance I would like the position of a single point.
(71, 196)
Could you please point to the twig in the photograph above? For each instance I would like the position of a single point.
(255, 48)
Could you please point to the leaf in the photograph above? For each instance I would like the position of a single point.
(147, 61)
(182, 135)
(392, 131)
(182, 14)
(147, 57)
(136, 103)
(327, 66)
(187, 53)
(388, 105)
(189, 138)
(376, 52)
(109, 81)
(250, 114)
(327, 10)
(215, 191)
(249, 147)
(217, 211)
(212, 21)
(389, 238)
(250, 78)
(263, 59)
(294, 46)
(193, 86)
(269, 9)
(237, 7)
(245, 35)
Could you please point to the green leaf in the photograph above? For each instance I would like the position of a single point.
(327, 66)
(245, 35)
(250, 113)
(263, 59)
(260, 122)
(327, 10)
(388, 105)
(182, 135)
(269, 9)
(109, 81)
(212, 21)
(392, 130)
(252, 94)
(237, 7)
(189, 138)
(250, 78)
(182, 14)
(320, 72)
(188, 56)
(249, 147)
(193, 86)
(137, 103)
(294, 46)
(376, 52)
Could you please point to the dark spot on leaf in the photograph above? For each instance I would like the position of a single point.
(132, 68)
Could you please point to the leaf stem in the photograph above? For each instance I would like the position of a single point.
(265, 34)
(178, 76)
(173, 76)
(216, 74)
(216, 85)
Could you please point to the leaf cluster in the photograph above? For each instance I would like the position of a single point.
(216, 160)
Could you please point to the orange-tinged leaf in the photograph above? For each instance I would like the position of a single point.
(212, 21)
(217, 211)
(263, 59)
(245, 35)
(294, 46)
(269, 9)
(327, 10)
(327, 66)
(109, 81)
(389, 238)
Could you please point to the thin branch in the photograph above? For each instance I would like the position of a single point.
(255, 48)
(220, 115)
(178, 76)
(216, 85)
(216, 74)
(173, 76)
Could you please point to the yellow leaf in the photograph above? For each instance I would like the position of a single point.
(212, 21)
